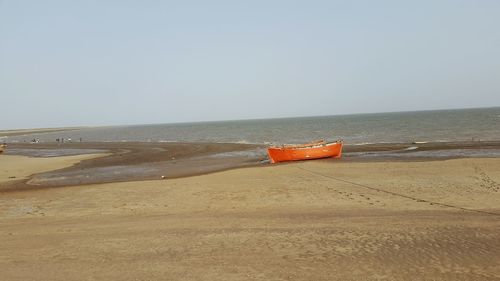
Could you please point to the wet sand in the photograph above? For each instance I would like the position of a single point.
(19, 168)
(313, 220)
(127, 161)
(133, 161)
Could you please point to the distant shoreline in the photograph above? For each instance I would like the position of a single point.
(22, 132)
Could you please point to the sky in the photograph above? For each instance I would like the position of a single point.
(73, 63)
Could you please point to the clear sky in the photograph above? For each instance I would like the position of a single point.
(66, 63)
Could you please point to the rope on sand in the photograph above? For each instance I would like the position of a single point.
(398, 194)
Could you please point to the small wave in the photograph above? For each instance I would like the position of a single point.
(411, 148)
(370, 143)
(364, 143)
(243, 142)
(239, 142)
(255, 153)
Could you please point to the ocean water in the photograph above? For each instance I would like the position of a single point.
(438, 125)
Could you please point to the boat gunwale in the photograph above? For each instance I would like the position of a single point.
(305, 147)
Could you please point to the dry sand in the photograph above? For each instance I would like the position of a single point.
(315, 220)
(14, 167)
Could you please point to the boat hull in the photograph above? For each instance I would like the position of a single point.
(296, 153)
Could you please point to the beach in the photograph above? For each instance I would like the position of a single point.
(256, 140)
(418, 219)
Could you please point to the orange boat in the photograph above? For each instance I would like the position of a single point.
(313, 150)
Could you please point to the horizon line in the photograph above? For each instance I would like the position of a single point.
(244, 119)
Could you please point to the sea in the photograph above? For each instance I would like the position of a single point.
(479, 124)
(396, 127)
(410, 128)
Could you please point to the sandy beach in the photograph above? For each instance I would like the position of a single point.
(313, 220)
(250, 141)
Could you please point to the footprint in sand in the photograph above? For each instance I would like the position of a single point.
(485, 181)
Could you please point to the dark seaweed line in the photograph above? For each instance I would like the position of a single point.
(398, 194)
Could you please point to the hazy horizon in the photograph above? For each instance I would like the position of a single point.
(253, 119)
(90, 63)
